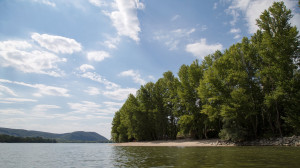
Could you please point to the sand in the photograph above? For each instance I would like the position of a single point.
(178, 143)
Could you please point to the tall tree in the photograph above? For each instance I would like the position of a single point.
(277, 43)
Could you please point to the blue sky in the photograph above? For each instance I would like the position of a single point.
(68, 65)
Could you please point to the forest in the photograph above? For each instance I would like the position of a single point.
(14, 139)
(249, 91)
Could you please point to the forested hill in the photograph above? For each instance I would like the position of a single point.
(249, 91)
(78, 136)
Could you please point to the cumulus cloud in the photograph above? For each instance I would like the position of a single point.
(251, 9)
(92, 91)
(57, 44)
(97, 55)
(124, 18)
(21, 55)
(201, 49)
(135, 76)
(42, 89)
(86, 67)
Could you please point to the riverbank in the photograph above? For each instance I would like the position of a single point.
(285, 141)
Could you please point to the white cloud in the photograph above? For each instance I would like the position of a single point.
(98, 78)
(45, 2)
(57, 44)
(175, 17)
(201, 49)
(125, 19)
(135, 76)
(252, 9)
(85, 107)
(15, 100)
(120, 94)
(21, 55)
(173, 38)
(98, 3)
(92, 91)
(215, 5)
(97, 55)
(45, 107)
(237, 36)
(112, 42)
(85, 67)
(151, 77)
(112, 104)
(203, 28)
(5, 90)
(233, 30)
(42, 89)
(11, 111)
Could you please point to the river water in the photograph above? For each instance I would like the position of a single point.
(72, 155)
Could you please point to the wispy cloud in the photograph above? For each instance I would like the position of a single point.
(98, 78)
(5, 90)
(99, 3)
(202, 49)
(235, 32)
(124, 18)
(97, 55)
(15, 100)
(175, 17)
(119, 94)
(85, 67)
(57, 44)
(92, 91)
(85, 107)
(45, 2)
(42, 89)
(173, 38)
(11, 111)
(135, 75)
(112, 42)
(45, 107)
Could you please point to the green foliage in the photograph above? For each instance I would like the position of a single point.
(251, 90)
(14, 139)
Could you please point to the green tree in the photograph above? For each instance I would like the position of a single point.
(277, 43)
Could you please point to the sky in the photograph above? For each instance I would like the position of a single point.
(69, 65)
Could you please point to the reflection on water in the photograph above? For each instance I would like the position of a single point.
(206, 156)
(106, 155)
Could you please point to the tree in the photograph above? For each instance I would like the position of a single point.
(277, 44)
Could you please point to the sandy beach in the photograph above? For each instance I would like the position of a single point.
(179, 143)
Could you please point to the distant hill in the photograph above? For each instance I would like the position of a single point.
(78, 136)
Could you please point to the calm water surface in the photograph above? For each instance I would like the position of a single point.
(105, 155)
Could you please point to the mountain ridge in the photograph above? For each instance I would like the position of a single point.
(76, 136)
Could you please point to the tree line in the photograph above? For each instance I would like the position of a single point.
(14, 139)
(249, 91)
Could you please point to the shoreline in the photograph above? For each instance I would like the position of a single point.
(285, 141)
